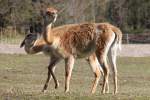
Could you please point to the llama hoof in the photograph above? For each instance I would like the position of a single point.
(107, 92)
(44, 91)
(57, 85)
(92, 92)
(67, 90)
(115, 92)
(101, 84)
(44, 88)
(103, 92)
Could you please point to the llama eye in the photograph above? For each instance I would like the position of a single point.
(52, 13)
(48, 13)
(29, 35)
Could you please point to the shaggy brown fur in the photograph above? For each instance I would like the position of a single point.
(104, 38)
(80, 40)
(73, 39)
(86, 45)
(101, 43)
(76, 42)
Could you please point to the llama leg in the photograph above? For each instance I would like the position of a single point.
(103, 62)
(105, 87)
(102, 52)
(112, 55)
(69, 63)
(49, 77)
(55, 80)
(95, 67)
(51, 69)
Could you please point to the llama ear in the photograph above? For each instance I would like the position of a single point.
(31, 29)
(22, 44)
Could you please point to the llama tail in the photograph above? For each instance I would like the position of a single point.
(119, 39)
(118, 33)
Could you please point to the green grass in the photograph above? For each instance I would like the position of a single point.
(22, 78)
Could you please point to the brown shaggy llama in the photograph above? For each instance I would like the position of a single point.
(69, 45)
(68, 42)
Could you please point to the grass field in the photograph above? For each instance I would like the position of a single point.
(22, 78)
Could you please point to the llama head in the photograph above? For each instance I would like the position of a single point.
(28, 42)
(34, 31)
(50, 16)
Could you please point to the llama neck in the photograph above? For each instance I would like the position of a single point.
(34, 50)
(48, 37)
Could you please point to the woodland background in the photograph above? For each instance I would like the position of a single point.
(132, 16)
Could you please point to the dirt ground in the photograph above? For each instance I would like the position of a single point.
(128, 50)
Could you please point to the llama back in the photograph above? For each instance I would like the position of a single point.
(105, 35)
(106, 29)
(116, 30)
(80, 40)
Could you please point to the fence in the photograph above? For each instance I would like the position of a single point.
(136, 38)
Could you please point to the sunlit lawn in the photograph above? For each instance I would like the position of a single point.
(22, 78)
